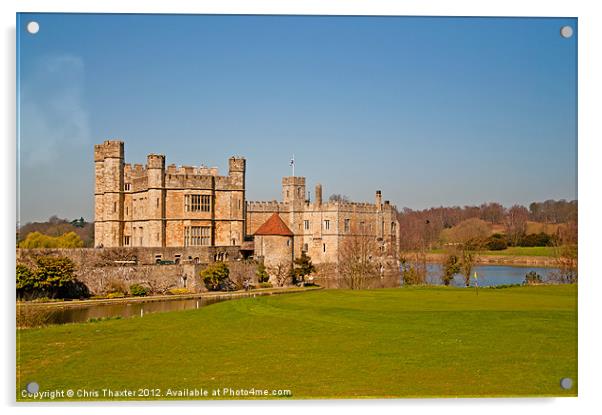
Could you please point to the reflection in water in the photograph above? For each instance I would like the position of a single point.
(35, 315)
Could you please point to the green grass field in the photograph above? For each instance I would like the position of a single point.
(546, 251)
(408, 342)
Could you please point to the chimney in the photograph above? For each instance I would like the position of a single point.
(318, 195)
(379, 200)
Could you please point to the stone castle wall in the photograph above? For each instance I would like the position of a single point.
(99, 268)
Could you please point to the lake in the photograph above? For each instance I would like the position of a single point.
(490, 275)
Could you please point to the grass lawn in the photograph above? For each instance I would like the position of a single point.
(547, 251)
(403, 342)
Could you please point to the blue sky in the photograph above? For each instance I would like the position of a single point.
(432, 111)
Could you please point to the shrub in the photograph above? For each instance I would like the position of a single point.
(25, 280)
(178, 291)
(533, 278)
(262, 273)
(496, 242)
(266, 285)
(215, 276)
(451, 267)
(138, 290)
(115, 295)
(536, 239)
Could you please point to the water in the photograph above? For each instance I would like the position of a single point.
(490, 275)
(33, 315)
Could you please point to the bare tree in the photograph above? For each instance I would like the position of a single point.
(516, 222)
(281, 274)
(359, 256)
(565, 253)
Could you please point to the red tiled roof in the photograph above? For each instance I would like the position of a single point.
(274, 226)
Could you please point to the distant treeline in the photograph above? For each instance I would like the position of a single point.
(424, 228)
(56, 233)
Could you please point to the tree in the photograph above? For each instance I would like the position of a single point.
(215, 276)
(302, 267)
(53, 273)
(358, 254)
(467, 262)
(39, 240)
(413, 272)
(565, 253)
(451, 267)
(516, 223)
(338, 198)
(471, 232)
(282, 274)
(261, 273)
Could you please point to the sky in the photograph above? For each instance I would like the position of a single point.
(433, 111)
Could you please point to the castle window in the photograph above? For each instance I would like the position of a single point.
(288, 242)
(326, 224)
(306, 224)
(324, 247)
(198, 203)
(347, 225)
(197, 235)
(393, 228)
(126, 240)
(299, 192)
(126, 211)
(114, 207)
(205, 203)
(157, 202)
(127, 187)
(305, 247)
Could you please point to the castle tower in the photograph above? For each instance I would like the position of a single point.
(274, 243)
(236, 172)
(108, 193)
(293, 190)
(155, 167)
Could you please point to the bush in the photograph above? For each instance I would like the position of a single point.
(52, 277)
(496, 242)
(215, 276)
(533, 278)
(115, 295)
(536, 239)
(266, 285)
(178, 291)
(138, 290)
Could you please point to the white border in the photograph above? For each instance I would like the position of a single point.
(590, 293)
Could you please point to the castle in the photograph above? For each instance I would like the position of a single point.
(196, 209)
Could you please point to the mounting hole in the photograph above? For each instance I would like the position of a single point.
(33, 387)
(566, 32)
(566, 383)
(33, 27)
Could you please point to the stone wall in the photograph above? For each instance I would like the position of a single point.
(98, 269)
